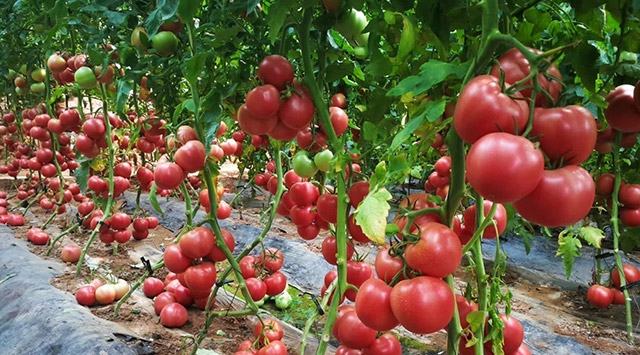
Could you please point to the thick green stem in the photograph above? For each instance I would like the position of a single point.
(455, 328)
(481, 276)
(616, 234)
(135, 286)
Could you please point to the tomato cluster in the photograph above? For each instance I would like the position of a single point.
(262, 273)
(100, 292)
(628, 197)
(602, 296)
(268, 335)
(504, 167)
(358, 338)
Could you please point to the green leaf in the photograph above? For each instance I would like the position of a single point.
(212, 109)
(407, 39)
(154, 199)
(432, 111)
(592, 235)
(476, 319)
(166, 9)
(630, 239)
(124, 88)
(338, 70)
(398, 166)
(569, 248)
(432, 73)
(380, 65)
(187, 9)
(371, 214)
(82, 175)
(583, 59)
(630, 70)
(276, 16)
(194, 66)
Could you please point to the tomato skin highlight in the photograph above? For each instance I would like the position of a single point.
(563, 197)
(504, 168)
(423, 304)
(483, 108)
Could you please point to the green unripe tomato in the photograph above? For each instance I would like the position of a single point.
(12, 74)
(37, 88)
(24, 70)
(283, 300)
(323, 160)
(39, 75)
(351, 24)
(85, 78)
(20, 91)
(361, 52)
(303, 165)
(164, 43)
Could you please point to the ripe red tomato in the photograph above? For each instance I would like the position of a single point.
(216, 253)
(309, 232)
(191, 156)
(386, 344)
(282, 132)
(224, 210)
(330, 250)
(152, 287)
(500, 216)
(339, 100)
(297, 111)
(373, 305)
(423, 304)
(438, 252)
(274, 348)
(567, 134)
(249, 266)
(483, 108)
(629, 195)
(464, 308)
(599, 296)
(175, 260)
(276, 283)
(174, 315)
(197, 243)
(94, 128)
(631, 275)
(357, 273)
(327, 206)
(255, 125)
(516, 67)
(182, 293)
(343, 350)
(200, 277)
(513, 334)
(153, 222)
(302, 215)
(358, 192)
(162, 300)
(257, 288)
(120, 221)
(504, 168)
(630, 217)
(387, 266)
(168, 175)
(272, 258)
(353, 333)
(355, 231)
(86, 295)
(263, 101)
(276, 70)
(271, 331)
(604, 184)
(291, 178)
(339, 120)
(622, 113)
(70, 253)
(618, 296)
(304, 193)
(563, 197)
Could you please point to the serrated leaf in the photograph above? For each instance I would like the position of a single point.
(407, 39)
(277, 15)
(568, 248)
(124, 88)
(82, 175)
(592, 235)
(153, 198)
(476, 319)
(432, 73)
(165, 10)
(371, 214)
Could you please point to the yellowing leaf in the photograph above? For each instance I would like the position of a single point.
(592, 235)
(372, 213)
(98, 164)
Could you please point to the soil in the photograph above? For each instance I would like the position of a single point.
(566, 312)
